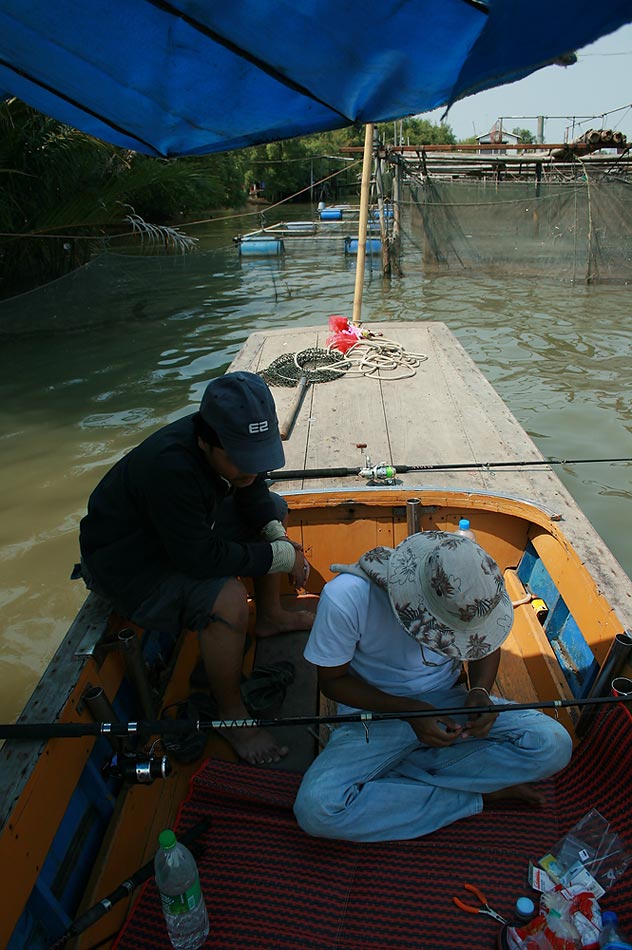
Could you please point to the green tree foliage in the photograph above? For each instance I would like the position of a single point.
(417, 131)
(296, 167)
(64, 193)
(317, 167)
(525, 137)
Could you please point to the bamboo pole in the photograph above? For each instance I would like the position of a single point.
(363, 223)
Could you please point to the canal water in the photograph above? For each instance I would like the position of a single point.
(73, 401)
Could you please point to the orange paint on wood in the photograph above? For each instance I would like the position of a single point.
(531, 644)
(27, 837)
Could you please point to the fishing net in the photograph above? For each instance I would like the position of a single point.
(315, 364)
(112, 288)
(576, 228)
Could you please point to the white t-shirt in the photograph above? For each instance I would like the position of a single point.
(355, 624)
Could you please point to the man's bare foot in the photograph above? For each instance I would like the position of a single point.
(255, 746)
(522, 793)
(286, 621)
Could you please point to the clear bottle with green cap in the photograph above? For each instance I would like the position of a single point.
(178, 882)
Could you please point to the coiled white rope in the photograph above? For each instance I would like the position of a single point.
(382, 359)
(371, 356)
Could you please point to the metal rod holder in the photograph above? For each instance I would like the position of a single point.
(621, 686)
(101, 710)
(137, 669)
(413, 515)
(615, 659)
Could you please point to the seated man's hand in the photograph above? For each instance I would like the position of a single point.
(300, 572)
(437, 731)
(479, 724)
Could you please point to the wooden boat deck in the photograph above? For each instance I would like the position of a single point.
(400, 423)
(406, 422)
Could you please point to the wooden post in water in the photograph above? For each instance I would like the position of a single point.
(379, 180)
(363, 223)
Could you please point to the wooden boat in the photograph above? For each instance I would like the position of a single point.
(73, 828)
(76, 822)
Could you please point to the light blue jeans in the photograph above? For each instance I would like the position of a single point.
(392, 787)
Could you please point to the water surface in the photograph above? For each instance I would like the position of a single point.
(72, 402)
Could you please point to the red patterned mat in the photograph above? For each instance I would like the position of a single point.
(269, 886)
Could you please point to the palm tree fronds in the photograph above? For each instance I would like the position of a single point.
(168, 237)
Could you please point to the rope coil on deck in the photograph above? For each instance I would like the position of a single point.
(377, 358)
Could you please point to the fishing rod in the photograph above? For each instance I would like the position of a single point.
(75, 730)
(384, 471)
(127, 887)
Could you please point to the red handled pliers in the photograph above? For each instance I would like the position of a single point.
(485, 909)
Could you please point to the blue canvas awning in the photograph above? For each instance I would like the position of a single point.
(183, 77)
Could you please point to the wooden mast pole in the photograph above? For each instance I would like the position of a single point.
(363, 223)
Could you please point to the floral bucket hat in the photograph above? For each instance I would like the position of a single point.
(446, 591)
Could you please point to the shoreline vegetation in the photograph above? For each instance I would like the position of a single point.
(67, 196)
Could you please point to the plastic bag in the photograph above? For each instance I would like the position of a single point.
(569, 919)
(345, 334)
(591, 854)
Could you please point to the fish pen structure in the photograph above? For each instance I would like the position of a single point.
(553, 214)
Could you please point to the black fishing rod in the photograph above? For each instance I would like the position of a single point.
(127, 887)
(384, 471)
(175, 727)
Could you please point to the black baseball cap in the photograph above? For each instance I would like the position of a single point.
(240, 408)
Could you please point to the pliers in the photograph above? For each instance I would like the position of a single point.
(485, 909)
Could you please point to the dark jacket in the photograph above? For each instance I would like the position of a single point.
(154, 513)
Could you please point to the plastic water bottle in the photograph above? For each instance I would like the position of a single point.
(464, 529)
(183, 905)
(611, 937)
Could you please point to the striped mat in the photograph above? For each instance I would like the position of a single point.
(268, 886)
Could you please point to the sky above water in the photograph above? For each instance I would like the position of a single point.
(593, 93)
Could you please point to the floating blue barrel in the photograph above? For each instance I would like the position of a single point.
(331, 214)
(300, 227)
(260, 246)
(373, 246)
(388, 213)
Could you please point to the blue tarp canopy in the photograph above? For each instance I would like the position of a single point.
(186, 77)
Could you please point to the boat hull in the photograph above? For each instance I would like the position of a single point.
(64, 824)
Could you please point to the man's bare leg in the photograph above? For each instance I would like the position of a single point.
(222, 648)
(271, 617)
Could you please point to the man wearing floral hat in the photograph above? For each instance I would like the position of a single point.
(391, 634)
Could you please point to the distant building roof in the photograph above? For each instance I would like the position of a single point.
(499, 136)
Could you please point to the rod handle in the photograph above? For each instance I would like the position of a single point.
(290, 417)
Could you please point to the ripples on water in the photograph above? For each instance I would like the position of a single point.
(71, 404)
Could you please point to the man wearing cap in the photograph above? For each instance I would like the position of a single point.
(390, 636)
(177, 520)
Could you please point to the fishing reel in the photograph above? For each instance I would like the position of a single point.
(138, 768)
(378, 473)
